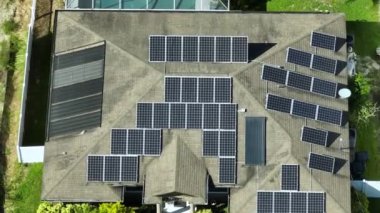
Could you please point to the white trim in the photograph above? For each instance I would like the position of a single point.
(336, 66)
(311, 61)
(316, 113)
(312, 84)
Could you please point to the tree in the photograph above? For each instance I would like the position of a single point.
(359, 202)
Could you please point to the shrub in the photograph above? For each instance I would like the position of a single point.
(359, 202)
(9, 26)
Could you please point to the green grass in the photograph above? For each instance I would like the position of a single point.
(367, 36)
(25, 190)
(354, 9)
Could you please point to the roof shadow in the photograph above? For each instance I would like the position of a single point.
(339, 163)
(257, 49)
(339, 43)
(331, 137)
(340, 66)
(344, 118)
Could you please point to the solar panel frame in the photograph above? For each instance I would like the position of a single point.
(274, 74)
(278, 103)
(152, 142)
(206, 90)
(321, 162)
(227, 143)
(323, 87)
(190, 49)
(299, 81)
(330, 115)
(173, 89)
(189, 89)
(210, 146)
(228, 115)
(135, 145)
(161, 115)
(304, 109)
(129, 169)
(112, 168)
(118, 138)
(324, 64)
(173, 48)
(177, 116)
(227, 170)
(95, 168)
(314, 136)
(323, 40)
(281, 202)
(298, 202)
(223, 90)
(157, 51)
(194, 116)
(265, 202)
(239, 49)
(144, 112)
(316, 202)
(223, 49)
(211, 116)
(290, 177)
(207, 49)
(298, 57)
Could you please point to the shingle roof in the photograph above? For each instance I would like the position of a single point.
(129, 79)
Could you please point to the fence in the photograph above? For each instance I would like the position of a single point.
(35, 153)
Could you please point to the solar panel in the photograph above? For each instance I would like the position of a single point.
(177, 116)
(324, 64)
(281, 202)
(298, 202)
(189, 89)
(314, 136)
(227, 170)
(118, 141)
(129, 168)
(228, 116)
(323, 40)
(265, 202)
(194, 116)
(223, 90)
(190, 48)
(330, 115)
(173, 48)
(324, 87)
(95, 168)
(223, 49)
(153, 141)
(157, 48)
(161, 115)
(135, 142)
(321, 162)
(172, 89)
(274, 74)
(211, 116)
(304, 109)
(206, 90)
(206, 49)
(112, 168)
(239, 49)
(316, 202)
(210, 143)
(144, 115)
(278, 103)
(299, 81)
(290, 177)
(227, 143)
(298, 57)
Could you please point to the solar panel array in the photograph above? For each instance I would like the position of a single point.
(299, 81)
(198, 89)
(112, 168)
(217, 49)
(294, 202)
(314, 136)
(290, 179)
(186, 115)
(321, 162)
(323, 40)
(219, 143)
(303, 109)
(136, 142)
(312, 61)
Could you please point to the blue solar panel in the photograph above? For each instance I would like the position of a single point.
(304, 109)
(298, 57)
